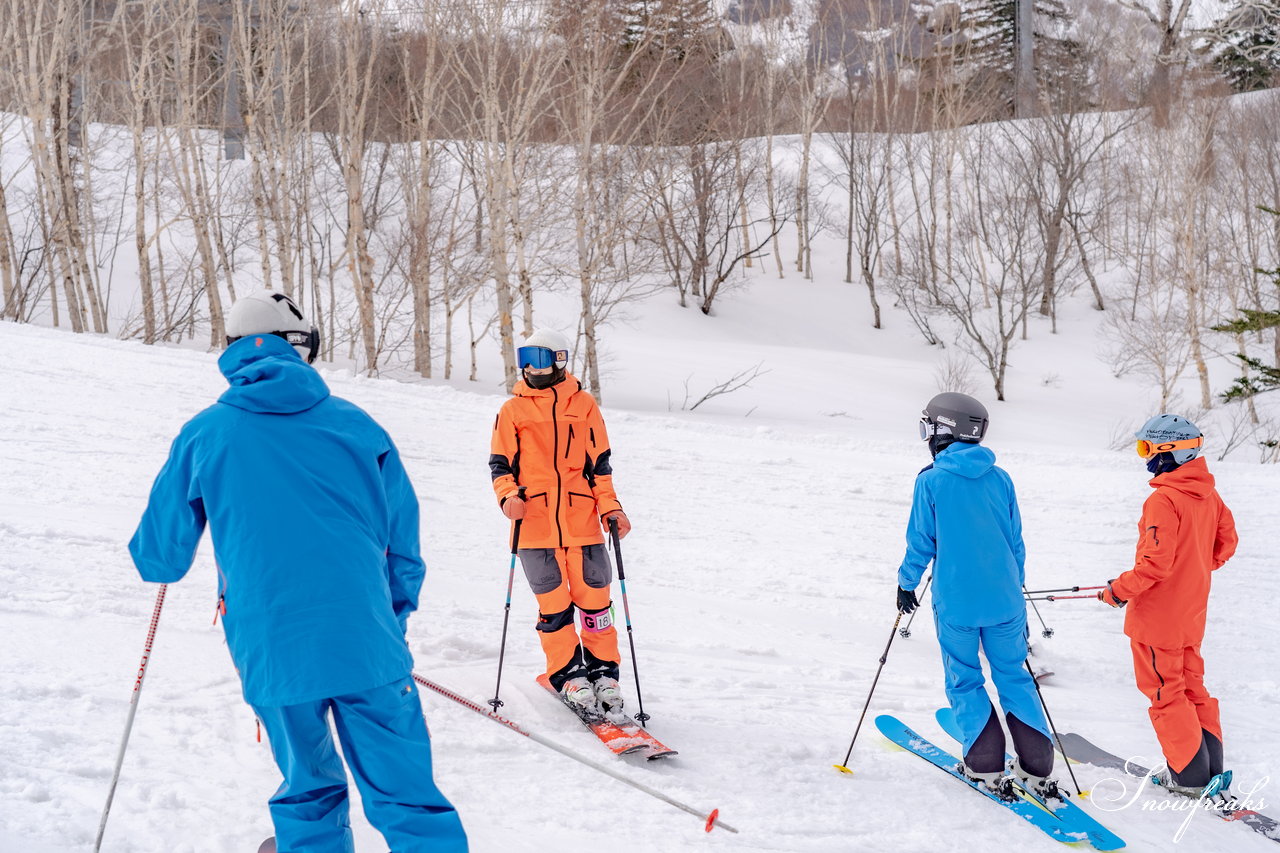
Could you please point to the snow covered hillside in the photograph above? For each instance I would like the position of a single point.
(760, 571)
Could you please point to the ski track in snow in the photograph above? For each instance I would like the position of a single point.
(761, 578)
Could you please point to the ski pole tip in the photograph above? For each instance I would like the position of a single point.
(842, 769)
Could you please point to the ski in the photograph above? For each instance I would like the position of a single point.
(621, 734)
(1065, 810)
(898, 732)
(1080, 748)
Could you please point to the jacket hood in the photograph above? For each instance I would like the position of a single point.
(565, 388)
(1191, 478)
(268, 376)
(967, 460)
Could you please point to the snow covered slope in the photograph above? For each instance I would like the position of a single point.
(761, 575)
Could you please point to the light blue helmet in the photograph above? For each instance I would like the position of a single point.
(1169, 429)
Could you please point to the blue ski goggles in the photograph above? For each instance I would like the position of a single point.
(540, 357)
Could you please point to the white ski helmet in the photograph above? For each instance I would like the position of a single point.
(269, 312)
(1172, 434)
(544, 348)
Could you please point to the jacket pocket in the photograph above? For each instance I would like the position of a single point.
(582, 520)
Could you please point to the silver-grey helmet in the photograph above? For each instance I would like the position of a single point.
(958, 416)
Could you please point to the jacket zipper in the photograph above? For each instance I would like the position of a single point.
(568, 443)
(555, 436)
(221, 607)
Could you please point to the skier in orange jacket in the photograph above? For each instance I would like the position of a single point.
(550, 439)
(1186, 533)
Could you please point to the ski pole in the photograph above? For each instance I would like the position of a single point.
(1047, 632)
(1053, 728)
(133, 709)
(1059, 598)
(906, 630)
(712, 818)
(1026, 591)
(641, 717)
(844, 768)
(506, 612)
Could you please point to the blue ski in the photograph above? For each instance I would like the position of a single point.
(1068, 812)
(898, 732)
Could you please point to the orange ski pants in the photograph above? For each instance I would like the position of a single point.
(1181, 707)
(562, 578)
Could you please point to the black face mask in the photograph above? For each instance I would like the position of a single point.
(1162, 463)
(543, 381)
(939, 443)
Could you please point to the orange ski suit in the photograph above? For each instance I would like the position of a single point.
(553, 442)
(1185, 534)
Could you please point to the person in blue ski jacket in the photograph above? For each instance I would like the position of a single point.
(965, 521)
(315, 534)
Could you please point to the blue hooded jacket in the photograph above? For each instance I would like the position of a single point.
(314, 525)
(964, 518)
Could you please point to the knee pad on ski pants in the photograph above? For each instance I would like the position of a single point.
(549, 623)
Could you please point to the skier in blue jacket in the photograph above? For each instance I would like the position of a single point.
(965, 520)
(315, 535)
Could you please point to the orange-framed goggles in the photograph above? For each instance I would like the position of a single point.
(1147, 449)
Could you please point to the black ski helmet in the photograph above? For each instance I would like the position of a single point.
(951, 417)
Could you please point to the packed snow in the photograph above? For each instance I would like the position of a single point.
(761, 574)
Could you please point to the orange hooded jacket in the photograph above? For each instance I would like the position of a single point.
(1186, 532)
(553, 442)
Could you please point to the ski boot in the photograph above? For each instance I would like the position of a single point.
(578, 692)
(609, 695)
(1042, 787)
(1164, 779)
(995, 781)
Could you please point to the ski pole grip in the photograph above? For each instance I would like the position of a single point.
(515, 533)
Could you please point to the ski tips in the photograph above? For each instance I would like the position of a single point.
(842, 769)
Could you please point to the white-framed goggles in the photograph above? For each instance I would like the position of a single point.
(540, 357)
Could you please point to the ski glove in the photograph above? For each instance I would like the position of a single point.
(624, 523)
(1108, 596)
(513, 508)
(907, 600)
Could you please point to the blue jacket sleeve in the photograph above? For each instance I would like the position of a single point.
(167, 536)
(404, 560)
(922, 543)
(1015, 527)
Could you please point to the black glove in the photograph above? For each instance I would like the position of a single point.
(907, 600)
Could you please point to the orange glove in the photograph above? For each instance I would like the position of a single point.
(624, 526)
(1109, 597)
(513, 508)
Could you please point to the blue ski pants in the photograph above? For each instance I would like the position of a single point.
(385, 741)
(1005, 647)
